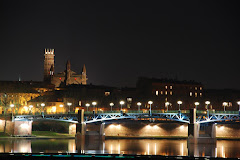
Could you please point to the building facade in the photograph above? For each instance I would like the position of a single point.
(64, 78)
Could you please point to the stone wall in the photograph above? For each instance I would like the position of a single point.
(23, 128)
(228, 130)
(2, 123)
(140, 129)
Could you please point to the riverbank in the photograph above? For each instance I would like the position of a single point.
(55, 135)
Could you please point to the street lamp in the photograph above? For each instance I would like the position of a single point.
(179, 103)
(238, 105)
(166, 105)
(30, 107)
(43, 105)
(12, 105)
(224, 105)
(61, 106)
(121, 103)
(196, 104)
(87, 105)
(150, 110)
(111, 104)
(139, 105)
(94, 104)
(69, 105)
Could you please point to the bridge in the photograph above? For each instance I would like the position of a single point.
(201, 117)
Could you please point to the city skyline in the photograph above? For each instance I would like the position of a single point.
(120, 42)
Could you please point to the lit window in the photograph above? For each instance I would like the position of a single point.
(195, 88)
(107, 93)
(165, 92)
(54, 109)
(170, 92)
(166, 99)
(161, 92)
(156, 93)
(129, 99)
(195, 94)
(190, 94)
(166, 87)
(200, 94)
(200, 88)
(170, 87)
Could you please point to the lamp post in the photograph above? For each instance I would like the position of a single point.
(43, 105)
(30, 107)
(166, 105)
(196, 104)
(12, 105)
(121, 103)
(224, 105)
(94, 104)
(207, 103)
(139, 105)
(150, 109)
(69, 105)
(179, 103)
(61, 106)
(87, 105)
(239, 107)
(111, 104)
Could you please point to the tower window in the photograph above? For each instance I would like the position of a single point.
(166, 87)
(170, 92)
(156, 93)
(165, 92)
(161, 92)
(170, 87)
(200, 88)
(107, 93)
(190, 94)
(200, 94)
(195, 94)
(195, 88)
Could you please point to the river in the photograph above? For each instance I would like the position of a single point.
(169, 147)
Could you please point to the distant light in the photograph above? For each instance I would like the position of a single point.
(207, 102)
(94, 103)
(61, 105)
(31, 106)
(225, 103)
(139, 103)
(196, 103)
(42, 104)
(150, 102)
(69, 104)
(122, 102)
(87, 104)
(179, 102)
(111, 104)
(11, 105)
(238, 102)
(167, 103)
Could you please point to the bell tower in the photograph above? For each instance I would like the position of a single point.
(48, 64)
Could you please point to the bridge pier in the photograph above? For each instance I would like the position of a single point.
(194, 128)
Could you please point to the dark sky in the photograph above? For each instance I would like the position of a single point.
(122, 40)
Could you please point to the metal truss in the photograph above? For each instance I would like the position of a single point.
(218, 117)
(101, 117)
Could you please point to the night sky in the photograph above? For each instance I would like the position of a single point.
(122, 40)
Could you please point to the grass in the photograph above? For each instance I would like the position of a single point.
(49, 134)
(2, 134)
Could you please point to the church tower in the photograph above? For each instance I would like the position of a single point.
(84, 75)
(48, 64)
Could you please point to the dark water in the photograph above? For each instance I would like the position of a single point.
(223, 148)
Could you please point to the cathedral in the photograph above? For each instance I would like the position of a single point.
(64, 78)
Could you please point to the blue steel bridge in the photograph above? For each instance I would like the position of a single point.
(183, 116)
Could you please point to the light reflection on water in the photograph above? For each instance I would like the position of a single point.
(223, 148)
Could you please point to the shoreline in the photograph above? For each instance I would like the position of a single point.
(111, 137)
